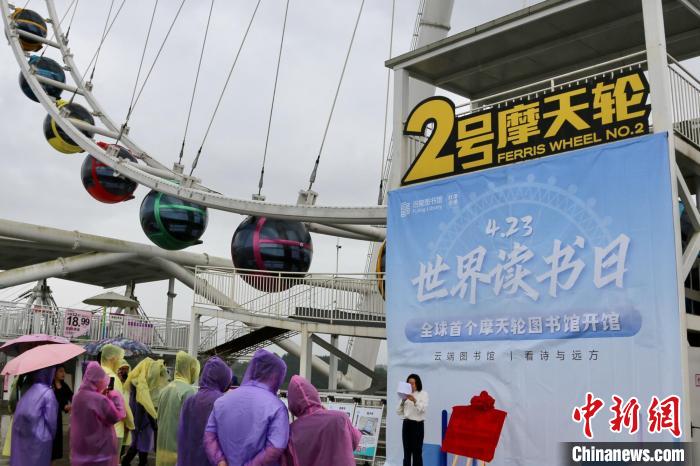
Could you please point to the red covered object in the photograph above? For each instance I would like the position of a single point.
(474, 430)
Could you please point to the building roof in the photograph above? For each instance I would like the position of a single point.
(548, 39)
(16, 253)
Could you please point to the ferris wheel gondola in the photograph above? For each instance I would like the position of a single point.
(58, 138)
(32, 24)
(273, 247)
(47, 68)
(102, 182)
(172, 223)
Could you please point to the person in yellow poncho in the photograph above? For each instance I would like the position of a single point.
(110, 361)
(144, 385)
(170, 405)
(123, 373)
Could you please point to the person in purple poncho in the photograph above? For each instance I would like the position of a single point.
(214, 381)
(317, 437)
(93, 440)
(249, 426)
(35, 422)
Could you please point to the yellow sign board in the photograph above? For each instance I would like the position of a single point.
(595, 111)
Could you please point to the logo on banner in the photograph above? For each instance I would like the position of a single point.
(595, 111)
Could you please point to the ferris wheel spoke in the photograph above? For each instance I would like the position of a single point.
(35, 38)
(59, 84)
(153, 174)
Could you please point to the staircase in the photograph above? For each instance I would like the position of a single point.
(247, 343)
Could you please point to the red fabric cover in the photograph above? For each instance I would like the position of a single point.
(474, 430)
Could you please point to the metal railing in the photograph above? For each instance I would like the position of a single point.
(685, 92)
(157, 333)
(327, 298)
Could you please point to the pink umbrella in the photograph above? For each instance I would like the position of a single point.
(26, 342)
(41, 357)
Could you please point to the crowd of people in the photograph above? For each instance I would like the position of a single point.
(119, 414)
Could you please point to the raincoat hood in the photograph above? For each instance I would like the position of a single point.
(318, 437)
(303, 397)
(265, 368)
(95, 379)
(111, 357)
(93, 438)
(186, 367)
(44, 376)
(216, 375)
(124, 363)
(215, 379)
(148, 378)
(34, 423)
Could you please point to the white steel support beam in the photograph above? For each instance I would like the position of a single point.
(332, 364)
(333, 231)
(193, 344)
(369, 233)
(76, 240)
(60, 267)
(662, 113)
(306, 353)
(401, 157)
(169, 310)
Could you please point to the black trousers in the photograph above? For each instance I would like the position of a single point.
(412, 435)
(131, 453)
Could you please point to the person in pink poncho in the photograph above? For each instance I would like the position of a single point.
(95, 410)
(318, 437)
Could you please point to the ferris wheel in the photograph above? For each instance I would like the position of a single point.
(174, 214)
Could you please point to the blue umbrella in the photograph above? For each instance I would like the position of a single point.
(131, 347)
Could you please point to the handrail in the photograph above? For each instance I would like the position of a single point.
(18, 319)
(319, 297)
(550, 82)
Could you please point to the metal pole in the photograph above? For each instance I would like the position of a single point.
(305, 356)
(337, 255)
(401, 157)
(83, 241)
(193, 346)
(61, 267)
(169, 312)
(661, 106)
(333, 366)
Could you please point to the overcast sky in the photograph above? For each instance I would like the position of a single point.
(44, 186)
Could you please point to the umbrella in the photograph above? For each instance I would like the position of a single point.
(131, 347)
(111, 299)
(41, 357)
(26, 342)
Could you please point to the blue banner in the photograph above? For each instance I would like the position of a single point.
(542, 283)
